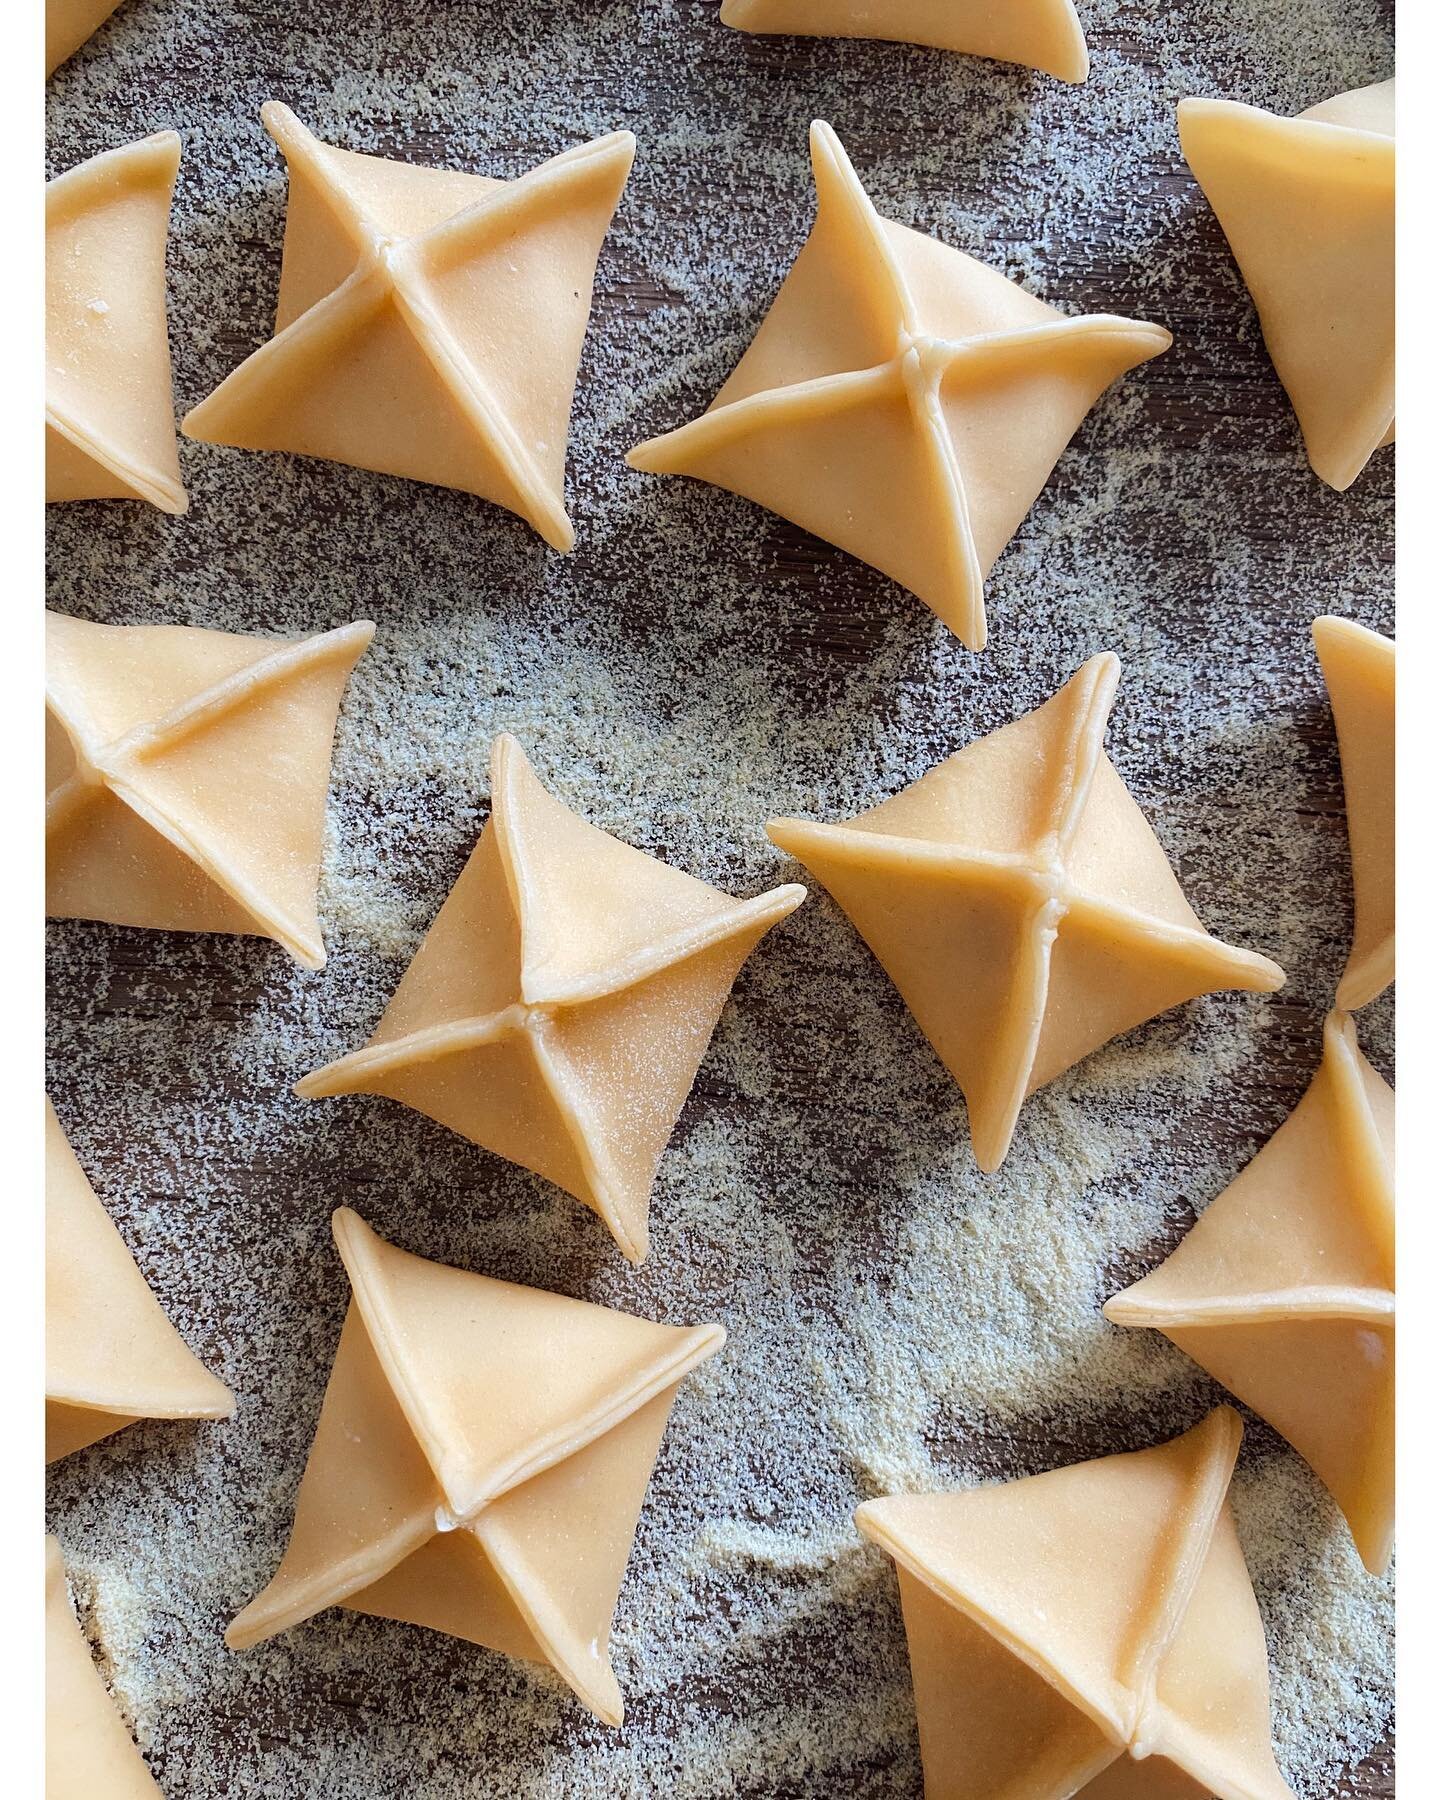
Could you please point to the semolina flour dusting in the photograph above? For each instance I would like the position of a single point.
(896, 1319)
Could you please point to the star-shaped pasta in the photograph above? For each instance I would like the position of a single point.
(1090, 1631)
(560, 1006)
(480, 1463)
(902, 400)
(186, 773)
(1308, 206)
(1284, 1290)
(1040, 34)
(109, 405)
(111, 1355)
(1021, 904)
(430, 322)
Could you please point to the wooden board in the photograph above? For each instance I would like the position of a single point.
(1182, 529)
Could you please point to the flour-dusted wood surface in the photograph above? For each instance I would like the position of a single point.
(694, 667)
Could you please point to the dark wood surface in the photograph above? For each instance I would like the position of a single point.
(1244, 544)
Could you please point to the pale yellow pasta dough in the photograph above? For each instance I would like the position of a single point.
(480, 1463)
(1041, 34)
(111, 1355)
(68, 23)
(1285, 1288)
(1308, 205)
(89, 1754)
(430, 322)
(902, 400)
(1021, 904)
(1088, 1631)
(1359, 669)
(559, 1007)
(109, 407)
(186, 774)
